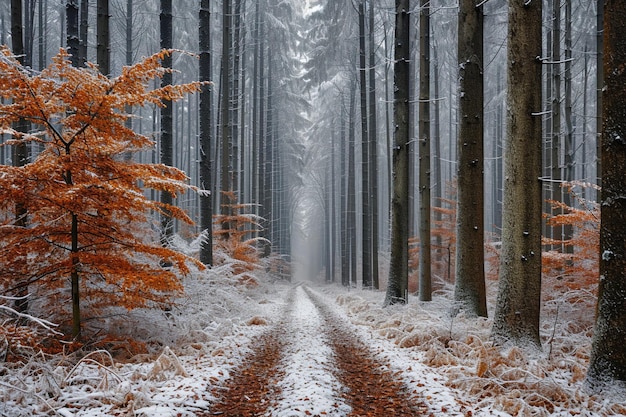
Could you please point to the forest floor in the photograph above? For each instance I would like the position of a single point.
(281, 349)
(312, 363)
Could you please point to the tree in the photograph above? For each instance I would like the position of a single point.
(516, 319)
(608, 353)
(206, 133)
(397, 286)
(366, 200)
(469, 289)
(19, 150)
(103, 48)
(373, 147)
(425, 284)
(87, 209)
(73, 42)
(167, 152)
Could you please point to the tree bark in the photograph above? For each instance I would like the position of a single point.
(83, 32)
(103, 49)
(167, 153)
(373, 147)
(397, 286)
(206, 133)
(366, 233)
(608, 353)
(517, 312)
(469, 291)
(425, 284)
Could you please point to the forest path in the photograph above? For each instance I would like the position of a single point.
(312, 363)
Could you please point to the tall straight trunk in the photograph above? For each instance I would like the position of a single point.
(373, 147)
(242, 109)
(351, 214)
(102, 37)
(555, 149)
(568, 138)
(20, 150)
(469, 291)
(366, 233)
(71, 15)
(397, 286)
(516, 319)
(167, 152)
(83, 32)
(225, 125)
(129, 32)
(607, 365)
(343, 202)
(41, 43)
(425, 285)
(256, 114)
(599, 87)
(235, 97)
(437, 181)
(264, 184)
(206, 133)
(268, 170)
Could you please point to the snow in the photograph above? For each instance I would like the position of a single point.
(448, 361)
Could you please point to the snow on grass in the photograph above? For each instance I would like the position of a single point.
(462, 371)
(309, 385)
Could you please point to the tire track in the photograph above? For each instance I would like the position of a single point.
(371, 388)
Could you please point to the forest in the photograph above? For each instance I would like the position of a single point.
(182, 183)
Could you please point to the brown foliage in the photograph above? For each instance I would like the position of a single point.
(87, 211)
(577, 266)
(236, 233)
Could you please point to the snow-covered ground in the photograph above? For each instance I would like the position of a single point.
(448, 361)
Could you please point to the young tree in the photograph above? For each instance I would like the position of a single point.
(516, 319)
(87, 210)
(470, 258)
(399, 265)
(608, 354)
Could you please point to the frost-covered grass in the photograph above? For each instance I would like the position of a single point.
(193, 348)
(488, 380)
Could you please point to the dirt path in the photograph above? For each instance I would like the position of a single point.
(312, 364)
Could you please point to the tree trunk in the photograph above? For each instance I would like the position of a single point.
(83, 32)
(608, 352)
(397, 286)
(373, 148)
(167, 153)
(425, 285)
(71, 14)
(103, 35)
(599, 86)
(516, 318)
(365, 176)
(352, 184)
(206, 130)
(19, 151)
(225, 125)
(556, 231)
(469, 289)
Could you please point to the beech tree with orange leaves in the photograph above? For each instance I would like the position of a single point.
(88, 236)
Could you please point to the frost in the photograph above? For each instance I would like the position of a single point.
(607, 255)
